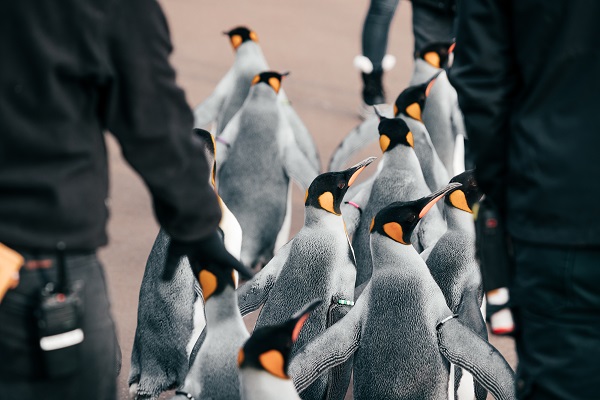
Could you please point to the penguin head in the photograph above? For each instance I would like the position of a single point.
(271, 78)
(269, 347)
(393, 132)
(209, 146)
(327, 190)
(214, 279)
(398, 220)
(465, 196)
(411, 101)
(240, 35)
(435, 54)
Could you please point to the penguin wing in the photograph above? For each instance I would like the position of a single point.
(295, 162)
(232, 231)
(358, 138)
(301, 134)
(330, 348)
(254, 293)
(207, 111)
(226, 139)
(352, 209)
(461, 346)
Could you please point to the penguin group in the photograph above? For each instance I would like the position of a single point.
(380, 287)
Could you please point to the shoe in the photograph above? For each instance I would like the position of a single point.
(372, 93)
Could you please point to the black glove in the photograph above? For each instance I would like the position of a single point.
(209, 250)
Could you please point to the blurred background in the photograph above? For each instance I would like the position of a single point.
(316, 40)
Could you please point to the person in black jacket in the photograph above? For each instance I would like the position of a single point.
(526, 73)
(69, 73)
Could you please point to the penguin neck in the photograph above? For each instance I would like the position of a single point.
(222, 308)
(398, 258)
(458, 219)
(249, 48)
(262, 93)
(259, 385)
(399, 156)
(318, 217)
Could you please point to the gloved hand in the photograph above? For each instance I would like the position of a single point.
(209, 250)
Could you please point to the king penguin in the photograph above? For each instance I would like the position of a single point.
(318, 263)
(214, 372)
(401, 334)
(254, 180)
(171, 313)
(429, 61)
(231, 91)
(264, 359)
(400, 179)
(453, 264)
(443, 119)
(408, 106)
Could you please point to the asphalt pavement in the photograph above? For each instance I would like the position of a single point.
(316, 40)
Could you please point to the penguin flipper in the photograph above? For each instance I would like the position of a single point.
(207, 111)
(359, 137)
(332, 347)
(254, 293)
(303, 137)
(463, 347)
(295, 162)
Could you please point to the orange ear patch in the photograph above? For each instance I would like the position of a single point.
(275, 84)
(305, 196)
(394, 231)
(253, 36)
(414, 111)
(273, 362)
(355, 175)
(384, 142)
(459, 200)
(395, 110)
(433, 58)
(410, 139)
(236, 40)
(326, 202)
(256, 79)
(241, 357)
(208, 283)
(372, 225)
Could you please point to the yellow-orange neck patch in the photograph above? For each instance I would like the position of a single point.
(274, 363)
(433, 58)
(414, 111)
(394, 231)
(384, 142)
(236, 40)
(459, 200)
(410, 139)
(208, 283)
(326, 202)
(275, 84)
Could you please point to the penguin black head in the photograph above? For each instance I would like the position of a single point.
(208, 142)
(240, 35)
(393, 132)
(436, 54)
(411, 101)
(269, 347)
(214, 279)
(327, 190)
(398, 220)
(271, 78)
(465, 196)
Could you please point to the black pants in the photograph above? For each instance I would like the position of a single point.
(557, 290)
(21, 374)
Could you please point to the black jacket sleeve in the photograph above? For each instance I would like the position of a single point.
(483, 74)
(151, 119)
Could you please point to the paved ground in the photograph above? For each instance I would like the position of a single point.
(316, 41)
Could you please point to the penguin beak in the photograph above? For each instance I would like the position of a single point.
(297, 321)
(353, 172)
(434, 197)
